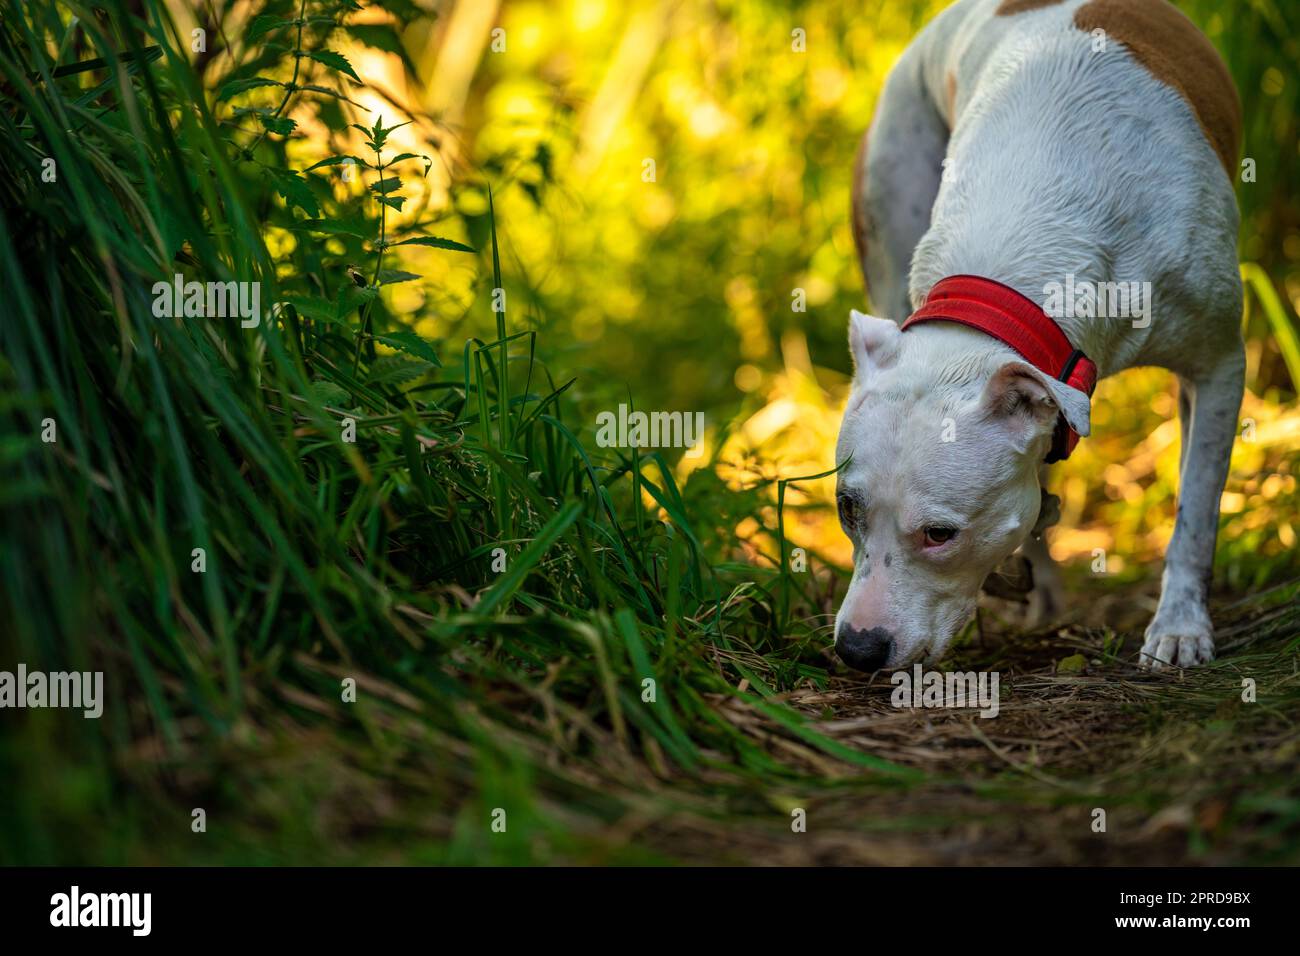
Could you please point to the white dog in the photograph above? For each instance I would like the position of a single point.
(1071, 157)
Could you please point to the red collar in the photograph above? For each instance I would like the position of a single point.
(1017, 321)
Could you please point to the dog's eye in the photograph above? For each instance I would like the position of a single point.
(936, 535)
(848, 511)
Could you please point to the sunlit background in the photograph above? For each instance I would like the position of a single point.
(672, 180)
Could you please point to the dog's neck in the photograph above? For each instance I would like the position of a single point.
(979, 241)
(1016, 215)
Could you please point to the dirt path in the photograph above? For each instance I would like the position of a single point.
(1185, 770)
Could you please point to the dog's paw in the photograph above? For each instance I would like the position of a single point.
(1183, 640)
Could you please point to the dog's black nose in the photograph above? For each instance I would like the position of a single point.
(864, 650)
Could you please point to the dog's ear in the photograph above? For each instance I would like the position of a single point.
(873, 343)
(1021, 395)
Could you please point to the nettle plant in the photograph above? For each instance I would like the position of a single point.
(361, 293)
(333, 298)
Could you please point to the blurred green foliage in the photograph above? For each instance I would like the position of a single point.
(678, 282)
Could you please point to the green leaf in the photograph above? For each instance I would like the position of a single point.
(282, 124)
(1074, 664)
(335, 61)
(394, 201)
(380, 132)
(293, 188)
(410, 343)
(235, 87)
(133, 61)
(396, 370)
(393, 276)
(387, 185)
(327, 393)
(333, 227)
(336, 161)
(351, 296)
(319, 310)
(435, 242)
(263, 24)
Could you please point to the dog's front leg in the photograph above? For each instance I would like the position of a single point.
(1047, 599)
(1181, 634)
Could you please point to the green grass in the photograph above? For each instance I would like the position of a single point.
(324, 559)
(523, 689)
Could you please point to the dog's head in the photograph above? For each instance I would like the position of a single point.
(945, 432)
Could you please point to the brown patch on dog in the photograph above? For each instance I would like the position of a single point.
(1179, 55)
(858, 214)
(950, 91)
(1009, 8)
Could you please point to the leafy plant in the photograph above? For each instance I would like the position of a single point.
(227, 554)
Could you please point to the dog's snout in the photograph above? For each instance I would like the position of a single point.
(864, 650)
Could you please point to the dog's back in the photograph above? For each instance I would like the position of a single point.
(1152, 32)
(1094, 137)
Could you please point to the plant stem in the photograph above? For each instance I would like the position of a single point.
(293, 81)
(379, 261)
